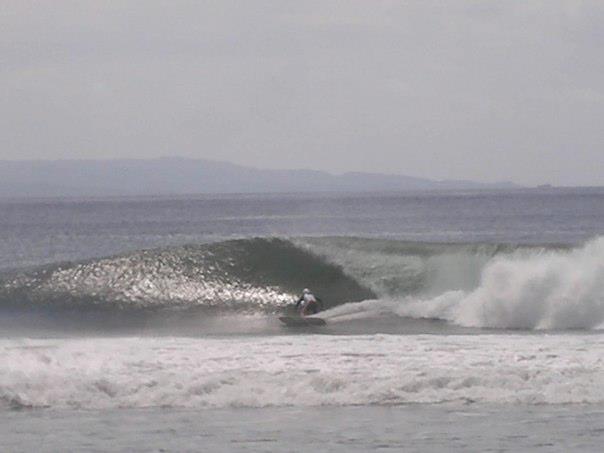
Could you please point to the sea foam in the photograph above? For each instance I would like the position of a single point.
(546, 290)
(540, 289)
(305, 370)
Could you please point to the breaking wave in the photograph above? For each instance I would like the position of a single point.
(522, 289)
(307, 370)
(476, 285)
(547, 290)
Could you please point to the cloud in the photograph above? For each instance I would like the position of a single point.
(469, 89)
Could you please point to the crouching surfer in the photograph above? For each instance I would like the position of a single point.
(308, 304)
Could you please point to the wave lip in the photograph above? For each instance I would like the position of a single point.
(301, 371)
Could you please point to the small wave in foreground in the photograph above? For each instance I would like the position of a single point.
(307, 370)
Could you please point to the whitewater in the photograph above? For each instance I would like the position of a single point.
(305, 370)
(455, 321)
(524, 289)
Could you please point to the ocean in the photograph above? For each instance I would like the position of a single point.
(458, 321)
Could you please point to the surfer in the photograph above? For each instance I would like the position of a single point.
(308, 304)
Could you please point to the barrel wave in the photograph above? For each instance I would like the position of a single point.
(476, 285)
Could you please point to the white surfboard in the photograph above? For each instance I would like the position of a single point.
(298, 321)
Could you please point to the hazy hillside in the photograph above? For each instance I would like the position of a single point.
(167, 176)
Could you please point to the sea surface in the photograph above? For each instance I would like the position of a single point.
(458, 321)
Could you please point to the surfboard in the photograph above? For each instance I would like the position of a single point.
(297, 321)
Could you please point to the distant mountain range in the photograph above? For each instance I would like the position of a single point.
(178, 176)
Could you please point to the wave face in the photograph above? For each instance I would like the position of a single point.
(474, 285)
(303, 370)
(251, 274)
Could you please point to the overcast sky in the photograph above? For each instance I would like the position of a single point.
(482, 90)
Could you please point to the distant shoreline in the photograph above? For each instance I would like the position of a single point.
(296, 195)
(189, 177)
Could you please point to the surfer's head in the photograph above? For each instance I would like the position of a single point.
(306, 291)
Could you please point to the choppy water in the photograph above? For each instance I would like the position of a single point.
(438, 306)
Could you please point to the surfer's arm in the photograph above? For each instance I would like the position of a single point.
(320, 303)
